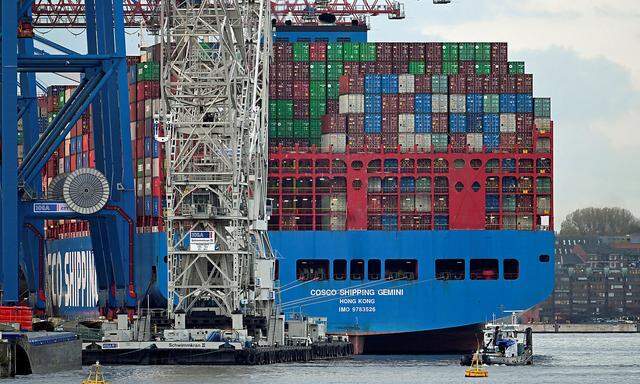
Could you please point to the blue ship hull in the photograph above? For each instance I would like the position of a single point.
(412, 315)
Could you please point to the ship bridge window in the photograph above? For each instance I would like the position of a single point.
(476, 164)
(484, 269)
(375, 269)
(276, 270)
(339, 269)
(458, 163)
(511, 269)
(357, 269)
(357, 165)
(450, 269)
(309, 269)
(406, 269)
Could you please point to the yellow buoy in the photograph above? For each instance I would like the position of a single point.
(95, 375)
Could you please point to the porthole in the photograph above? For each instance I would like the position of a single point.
(544, 258)
(475, 164)
(475, 186)
(458, 163)
(357, 184)
(459, 186)
(356, 165)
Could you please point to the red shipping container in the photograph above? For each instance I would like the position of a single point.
(389, 140)
(140, 127)
(85, 142)
(318, 51)
(507, 140)
(367, 67)
(140, 147)
(132, 93)
(333, 124)
(499, 52)
(417, 52)
(285, 71)
(157, 189)
(433, 68)
(500, 68)
(351, 68)
(524, 140)
(467, 68)
(457, 84)
(301, 109)
(400, 67)
(524, 122)
(73, 163)
(301, 71)
(384, 51)
(91, 141)
(390, 123)
(422, 83)
(273, 90)
(333, 106)
(433, 52)
(440, 122)
(458, 140)
(133, 111)
(406, 103)
(351, 85)
(285, 90)
(475, 83)
(507, 84)
(400, 52)
(524, 83)
(372, 142)
(384, 67)
(283, 52)
(355, 123)
(356, 141)
(147, 90)
(140, 110)
(490, 84)
(390, 103)
(86, 124)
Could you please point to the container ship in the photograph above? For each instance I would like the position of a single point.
(411, 188)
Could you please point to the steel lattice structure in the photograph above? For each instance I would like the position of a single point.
(215, 68)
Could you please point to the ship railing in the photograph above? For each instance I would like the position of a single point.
(449, 276)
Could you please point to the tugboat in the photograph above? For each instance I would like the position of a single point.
(95, 375)
(504, 344)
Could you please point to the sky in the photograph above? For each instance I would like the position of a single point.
(584, 54)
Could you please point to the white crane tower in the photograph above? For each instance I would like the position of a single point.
(214, 72)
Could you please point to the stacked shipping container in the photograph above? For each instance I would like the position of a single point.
(410, 115)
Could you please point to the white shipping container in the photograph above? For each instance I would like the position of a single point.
(543, 145)
(338, 202)
(525, 223)
(406, 141)
(147, 166)
(542, 124)
(353, 103)
(423, 202)
(140, 186)
(474, 141)
(334, 142)
(147, 186)
(507, 122)
(374, 184)
(406, 83)
(423, 141)
(132, 134)
(544, 205)
(406, 122)
(61, 165)
(508, 222)
(155, 166)
(439, 103)
(148, 109)
(457, 103)
(407, 203)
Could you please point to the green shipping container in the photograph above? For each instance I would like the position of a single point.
(315, 128)
(491, 103)
(440, 141)
(285, 109)
(440, 84)
(300, 129)
(417, 67)
(140, 168)
(334, 52)
(61, 99)
(542, 107)
(273, 109)
(516, 67)
(483, 68)
(483, 51)
(543, 185)
(509, 203)
(450, 52)
(467, 51)
(285, 129)
(318, 70)
(333, 90)
(450, 67)
(317, 108)
(300, 51)
(148, 71)
(273, 129)
(318, 90)
(351, 51)
(368, 52)
(423, 184)
(334, 70)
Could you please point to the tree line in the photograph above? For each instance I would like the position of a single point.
(608, 221)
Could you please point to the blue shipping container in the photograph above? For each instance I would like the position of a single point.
(389, 83)
(156, 148)
(524, 103)
(422, 123)
(407, 184)
(156, 204)
(491, 140)
(373, 123)
(147, 147)
(474, 103)
(491, 123)
(492, 203)
(67, 164)
(372, 83)
(508, 103)
(457, 123)
(372, 104)
(508, 165)
(72, 146)
(79, 144)
(474, 122)
(85, 160)
(389, 185)
(422, 103)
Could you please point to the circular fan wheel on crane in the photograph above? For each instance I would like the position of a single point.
(54, 189)
(86, 191)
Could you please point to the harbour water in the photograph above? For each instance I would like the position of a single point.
(559, 358)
